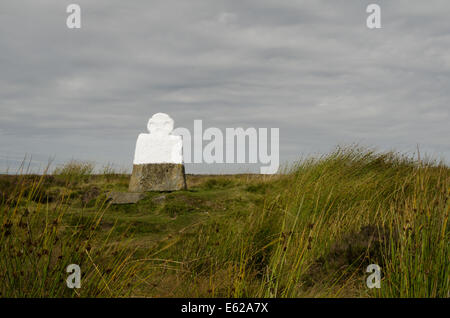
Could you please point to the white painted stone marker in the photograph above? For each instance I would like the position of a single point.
(158, 158)
(159, 146)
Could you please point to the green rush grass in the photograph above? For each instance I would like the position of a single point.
(310, 231)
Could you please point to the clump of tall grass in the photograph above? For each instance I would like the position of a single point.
(417, 261)
(322, 224)
(74, 171)
(404, 201)
(38, 241)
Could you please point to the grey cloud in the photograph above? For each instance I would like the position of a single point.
(311, 68)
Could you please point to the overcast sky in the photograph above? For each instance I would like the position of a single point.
(311, 68)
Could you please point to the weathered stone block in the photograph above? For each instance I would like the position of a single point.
(157, 177)
(124, 197)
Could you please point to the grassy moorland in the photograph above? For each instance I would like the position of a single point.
(310, 232)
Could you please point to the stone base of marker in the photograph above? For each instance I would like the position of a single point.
(157, 177)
